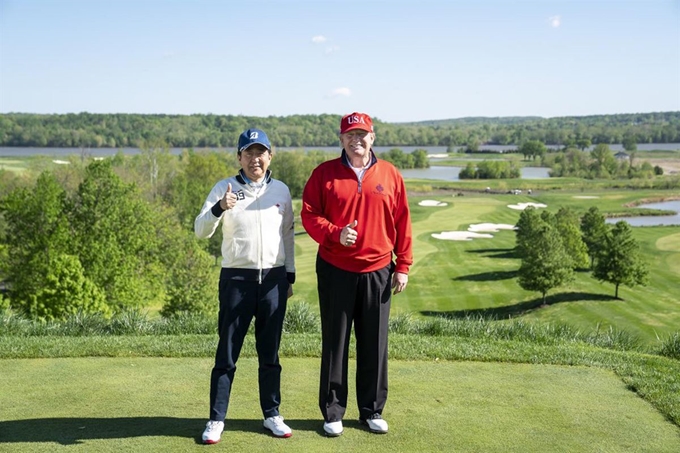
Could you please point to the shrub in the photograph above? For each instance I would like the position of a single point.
(301, 319)
(82, 324)
(671, 346)
(402, 324)
(611, 338)
(437, 326)
(66, 291)
(187, 324)
(193, 283)
(130, 322)
(13, 324)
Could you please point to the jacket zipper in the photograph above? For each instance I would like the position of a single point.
(259, 236)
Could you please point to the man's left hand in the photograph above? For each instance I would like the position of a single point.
(399, 282)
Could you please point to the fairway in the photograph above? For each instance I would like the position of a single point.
(160, 404)
(479, 277)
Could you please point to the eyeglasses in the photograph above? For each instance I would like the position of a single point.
(252, 154)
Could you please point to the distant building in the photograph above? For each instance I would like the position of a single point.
(622, 156)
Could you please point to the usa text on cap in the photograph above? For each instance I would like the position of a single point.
(356, 120)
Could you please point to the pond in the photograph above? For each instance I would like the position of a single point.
(653, 220)
(13, 151)
(443, 173)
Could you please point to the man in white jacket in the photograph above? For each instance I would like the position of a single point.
(258, 271)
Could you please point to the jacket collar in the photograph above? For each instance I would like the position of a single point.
(345, 159)
(243, 179)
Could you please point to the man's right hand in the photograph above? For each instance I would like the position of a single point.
(348, 235)
(228, 201)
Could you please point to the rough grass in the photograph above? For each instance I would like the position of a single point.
(301, 319)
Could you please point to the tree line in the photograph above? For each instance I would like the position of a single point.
(119, 130)
(106, 236)
(572, 161)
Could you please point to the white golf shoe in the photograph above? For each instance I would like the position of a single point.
(277, 427)
(332, 429)
(375, 424)
(213, 432)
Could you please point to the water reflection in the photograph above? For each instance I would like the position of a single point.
(451, 173)
(13, 151)
(653, 220)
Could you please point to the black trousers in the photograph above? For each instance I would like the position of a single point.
(362, 299)
(240, 301)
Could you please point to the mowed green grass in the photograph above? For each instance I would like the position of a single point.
(479, 277)
(161, 404)
(17, 165)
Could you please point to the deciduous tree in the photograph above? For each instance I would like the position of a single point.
(620, 262)
(567, 223)
(525, 230)
(114, 236)
(533, 149)
(545, 264)
(38, 232)
(593, 232)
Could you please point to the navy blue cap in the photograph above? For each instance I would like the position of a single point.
(251, 137)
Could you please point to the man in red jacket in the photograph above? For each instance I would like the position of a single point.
(356, 208)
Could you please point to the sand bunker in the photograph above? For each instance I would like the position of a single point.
(490, 227)
(432, 203)
(459, 235)
(61, 162)
(523, 206)
(585, 196)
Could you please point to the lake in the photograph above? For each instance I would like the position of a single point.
(14, 151)
(451, 173)
(653, 220)
(17, 151)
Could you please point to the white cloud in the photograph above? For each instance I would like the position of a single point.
(319, 39)
(555, 21)
(332, 49)
(341, 91)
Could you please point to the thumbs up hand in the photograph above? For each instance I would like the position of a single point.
(228, 201)
(348, 235)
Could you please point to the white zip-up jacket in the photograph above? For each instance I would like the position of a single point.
(258, 231)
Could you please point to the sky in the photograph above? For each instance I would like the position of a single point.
(396, 60)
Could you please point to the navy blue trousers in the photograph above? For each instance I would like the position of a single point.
(364, 300)
(240, 301)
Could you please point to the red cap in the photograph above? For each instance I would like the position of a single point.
(356, 120)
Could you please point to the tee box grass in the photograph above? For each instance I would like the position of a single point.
(161, 404)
